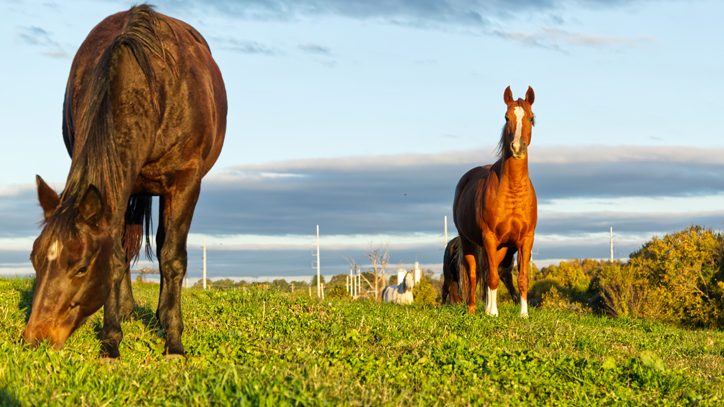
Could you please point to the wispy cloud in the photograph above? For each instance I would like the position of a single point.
(315, 49)
(246, 47)
(558, 39)
(43, 39)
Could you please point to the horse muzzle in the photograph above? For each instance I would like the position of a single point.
(34, 334)
(519, 150)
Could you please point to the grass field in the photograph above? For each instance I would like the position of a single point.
(266, 348)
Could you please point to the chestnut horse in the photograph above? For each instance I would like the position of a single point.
(495, 209)
(144, 115)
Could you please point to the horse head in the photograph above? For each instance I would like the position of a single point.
(71, 258)
(519, 122)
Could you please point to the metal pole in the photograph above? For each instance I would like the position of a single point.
(611, 241)
(319, 283)
(444, 244)
(204, 266)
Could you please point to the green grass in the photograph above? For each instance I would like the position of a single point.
(260, 347)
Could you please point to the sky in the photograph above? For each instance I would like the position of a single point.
(361, 116)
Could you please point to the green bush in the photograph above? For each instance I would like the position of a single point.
(337, 292)
(624, 292)
(424, 292)
(685, 270)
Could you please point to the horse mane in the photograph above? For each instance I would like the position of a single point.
(501, 151)
(98, 162)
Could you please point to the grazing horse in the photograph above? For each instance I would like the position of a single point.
(453, 286)
(144, 115)
(495, 209)
(401, 293)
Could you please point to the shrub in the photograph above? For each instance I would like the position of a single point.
(424, 292)
(685, 270)
(553, 299)
(623, 292)
(337, 292)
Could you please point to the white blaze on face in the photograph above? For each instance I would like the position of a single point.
(519, 114)
(53, 250)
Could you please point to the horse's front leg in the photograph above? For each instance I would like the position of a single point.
(524, 253)
(112, 335)
(494, 256)
(176, 213)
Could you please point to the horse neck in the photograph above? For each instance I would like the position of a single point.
(115, 180)
(514, 172)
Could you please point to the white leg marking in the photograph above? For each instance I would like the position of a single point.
(523, 308)
(519, 114)
(491, 302)
(53, 250)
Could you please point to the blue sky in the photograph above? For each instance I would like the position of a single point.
(361, 116)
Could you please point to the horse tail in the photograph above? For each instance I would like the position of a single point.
(138, 221)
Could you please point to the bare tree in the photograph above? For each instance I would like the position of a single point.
(378, 259)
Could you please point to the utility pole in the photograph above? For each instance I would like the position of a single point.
(444, 244)
(203, 273)
(319, 283)
(611, 241)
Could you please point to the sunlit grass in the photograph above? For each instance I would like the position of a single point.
(261, 347)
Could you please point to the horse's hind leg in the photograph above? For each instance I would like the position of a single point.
(177, 210)
(470, 264)
(506, 274)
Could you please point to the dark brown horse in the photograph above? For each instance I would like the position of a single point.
(144, 115)
(495, 209)
(455, 285)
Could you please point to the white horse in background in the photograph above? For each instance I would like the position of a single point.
(401, 293)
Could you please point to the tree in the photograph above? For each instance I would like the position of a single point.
(313, 283)
(378, 259)
(280, 284)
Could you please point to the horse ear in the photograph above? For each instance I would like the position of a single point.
(91, 206)
(49, 199)
(508, 96)
(530, 96)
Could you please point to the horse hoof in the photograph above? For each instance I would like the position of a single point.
(524, 316)
(492, 313)
(471, 309)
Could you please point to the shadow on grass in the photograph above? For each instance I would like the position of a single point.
(26, 300)
(141, 313)
(147, 316)
(7, 399)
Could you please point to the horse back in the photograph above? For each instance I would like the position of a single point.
(168, 100)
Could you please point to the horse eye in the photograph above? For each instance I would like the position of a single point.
(81, 271)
